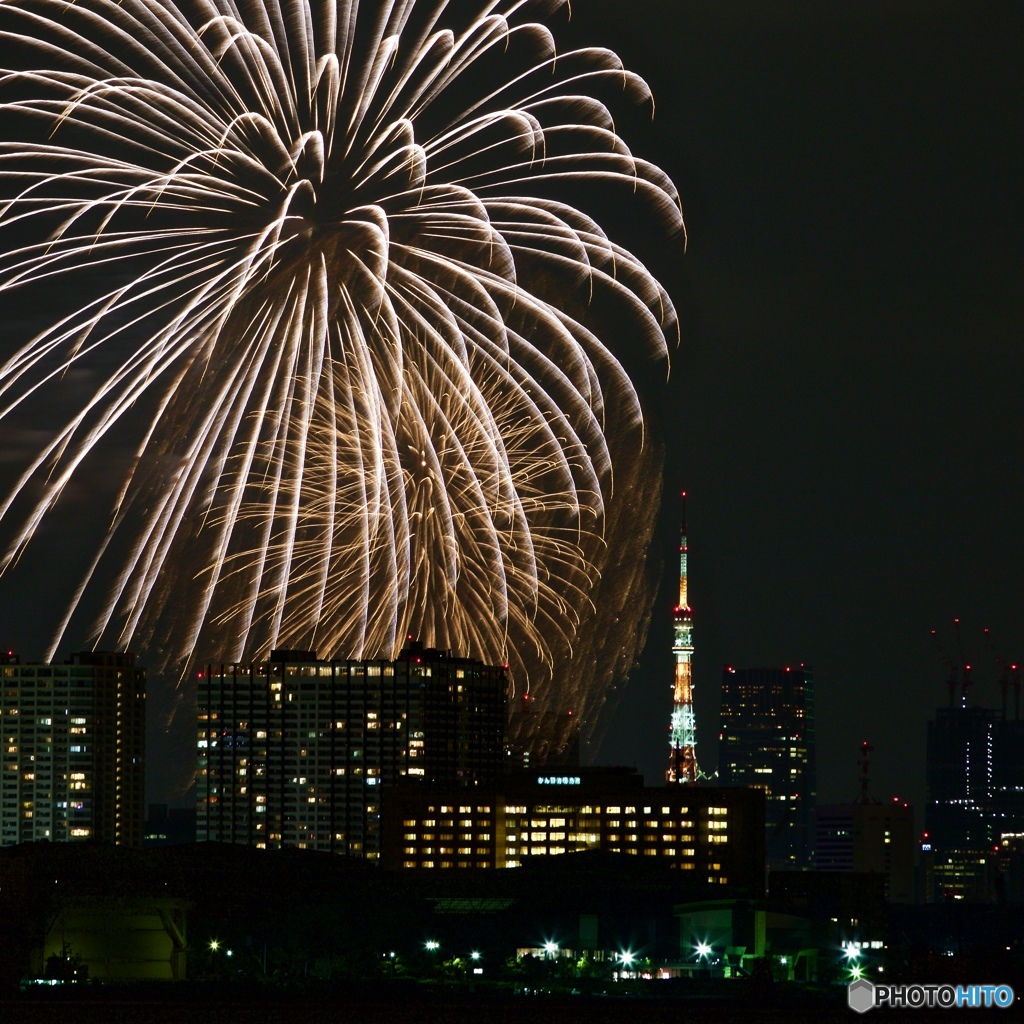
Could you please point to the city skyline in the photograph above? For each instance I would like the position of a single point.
(842, 407)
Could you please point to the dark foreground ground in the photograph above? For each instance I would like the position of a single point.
(127, 1009)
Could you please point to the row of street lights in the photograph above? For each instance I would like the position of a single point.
(551, 949)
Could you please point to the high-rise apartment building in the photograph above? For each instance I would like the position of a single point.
(73, 750)
(295, 751)
(767, 742)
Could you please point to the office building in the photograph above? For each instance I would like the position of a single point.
(767, 742)
(715, 834)
(960, 768)
(869, 837)
(73, 750)
(294, 751)
(975, 777)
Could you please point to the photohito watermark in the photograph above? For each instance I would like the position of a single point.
(862, 996)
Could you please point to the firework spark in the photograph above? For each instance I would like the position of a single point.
(343, 270)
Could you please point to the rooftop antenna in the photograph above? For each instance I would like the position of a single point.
(864, 759)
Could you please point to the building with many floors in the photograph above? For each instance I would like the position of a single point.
(975, 777)
(73, 749)
(717, 834)
(873, 838)
(295, 751)
(767, 741)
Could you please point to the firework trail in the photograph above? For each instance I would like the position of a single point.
(335, 285)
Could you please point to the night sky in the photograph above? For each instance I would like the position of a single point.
(844, 411)
(844, 407)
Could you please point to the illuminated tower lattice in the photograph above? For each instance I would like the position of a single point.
(682, 766)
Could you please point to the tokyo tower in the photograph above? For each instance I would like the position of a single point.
(682, 766)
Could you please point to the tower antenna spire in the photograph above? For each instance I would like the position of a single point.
(682, 766)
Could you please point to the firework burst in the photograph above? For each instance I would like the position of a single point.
(336, 257)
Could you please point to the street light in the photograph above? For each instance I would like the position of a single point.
(430, 945)
(214, 945)
(703, 949)
(551, 948)
(627, 959)
(474, 955)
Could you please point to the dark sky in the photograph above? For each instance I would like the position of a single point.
(844, 408)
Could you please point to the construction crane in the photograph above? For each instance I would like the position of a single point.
(1009, 675)
(965, 677)
(952, 671)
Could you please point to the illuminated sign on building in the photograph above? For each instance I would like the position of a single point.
(558, 780)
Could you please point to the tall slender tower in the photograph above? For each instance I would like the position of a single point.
(682, 767)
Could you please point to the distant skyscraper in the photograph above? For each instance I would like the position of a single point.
(961, 756)
(975, 775)
(875, 837)
(767, 741)
(73, 750)
(682, 766)
(294, 751)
